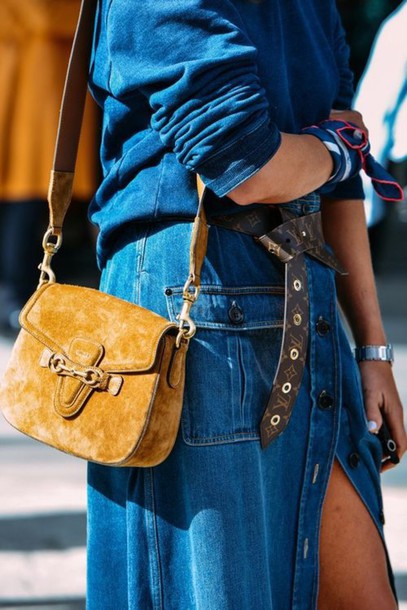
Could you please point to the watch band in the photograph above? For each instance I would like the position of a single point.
(374, 352)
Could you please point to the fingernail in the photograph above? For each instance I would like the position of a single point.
(372, 426)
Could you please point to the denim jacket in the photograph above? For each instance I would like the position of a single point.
(206, 86)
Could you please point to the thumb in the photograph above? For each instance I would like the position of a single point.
(373, 413)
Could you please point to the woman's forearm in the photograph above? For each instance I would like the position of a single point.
(345, 230)
(301, 165)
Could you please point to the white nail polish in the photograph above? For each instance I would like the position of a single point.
(372, 426)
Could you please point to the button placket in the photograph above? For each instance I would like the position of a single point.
(324, 421)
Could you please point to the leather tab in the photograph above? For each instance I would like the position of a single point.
(59, 197)
(71, 393)
(199, 239)
(176, 366)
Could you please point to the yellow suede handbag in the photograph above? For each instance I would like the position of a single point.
(91, 374)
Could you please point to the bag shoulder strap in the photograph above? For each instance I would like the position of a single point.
(63, 170)
(70, 117)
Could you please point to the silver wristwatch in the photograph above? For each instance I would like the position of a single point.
(375, 352)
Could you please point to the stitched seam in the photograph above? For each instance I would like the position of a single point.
(232, 437)
(231, 290)
(109, 79)
(159, 185)
(242, 379)
(239, 138)
(156, 544)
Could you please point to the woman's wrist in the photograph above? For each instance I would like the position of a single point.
(379, 353)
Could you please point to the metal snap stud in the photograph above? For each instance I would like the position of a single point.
(236, 314)
(297, 285)
(325, 401)
(354, 459)
(294, 353)
(322, 327)
(275, 420)
(297, 319)
(286, 388)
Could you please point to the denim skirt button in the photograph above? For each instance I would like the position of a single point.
(354, 459)
(323, 327)
(325, 401)
(236, 315)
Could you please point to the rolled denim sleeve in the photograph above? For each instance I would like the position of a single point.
(196, 67)
(351, 188)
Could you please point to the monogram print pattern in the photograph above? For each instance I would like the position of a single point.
(290, 368)
(289, 242)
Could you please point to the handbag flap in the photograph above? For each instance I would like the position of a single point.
(128, 334)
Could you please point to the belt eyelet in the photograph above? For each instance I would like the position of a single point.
(275, 420)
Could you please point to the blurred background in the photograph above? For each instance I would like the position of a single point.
(42, 509)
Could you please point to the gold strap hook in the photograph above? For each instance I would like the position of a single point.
(50, 247)
(186, 326)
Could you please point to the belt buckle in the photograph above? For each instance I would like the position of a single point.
(275, 248)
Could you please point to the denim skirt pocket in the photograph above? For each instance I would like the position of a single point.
(231, 361)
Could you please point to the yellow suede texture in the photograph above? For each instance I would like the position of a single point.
(136, 427)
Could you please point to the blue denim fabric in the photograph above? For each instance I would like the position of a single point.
(206, 86)
(223, 524)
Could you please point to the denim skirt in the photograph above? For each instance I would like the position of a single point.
(223, 524)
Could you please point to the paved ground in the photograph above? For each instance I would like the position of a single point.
(42, 511)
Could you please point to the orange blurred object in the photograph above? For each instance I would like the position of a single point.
(35, 40)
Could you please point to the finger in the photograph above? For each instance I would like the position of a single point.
(387, 465)
(395, 423)
(397, 434)
(350, 115)
(373, 412)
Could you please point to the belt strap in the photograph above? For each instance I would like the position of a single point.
(289, 241)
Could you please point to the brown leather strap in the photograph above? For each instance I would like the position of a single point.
(289, 241)
(252, 222)
(70, 118)
(301, 234)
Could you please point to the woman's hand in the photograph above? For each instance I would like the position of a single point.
(352, 116)
(381, 397)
